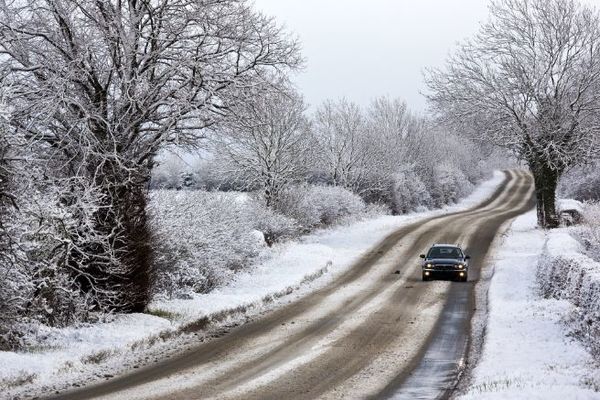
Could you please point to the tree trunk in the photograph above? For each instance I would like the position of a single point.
(118, 265)
(271, 190)
(546, 180)
(269, 197)
(132, 246)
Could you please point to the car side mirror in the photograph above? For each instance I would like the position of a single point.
(422, 256)
(467, 257)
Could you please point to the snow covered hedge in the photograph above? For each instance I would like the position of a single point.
(449, 184)
(39, 277)
(313, 206)
(589, 233)
(581, 183)
(409, 193)
(203, 239)
(569, 270)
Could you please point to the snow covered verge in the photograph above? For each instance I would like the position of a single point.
(75, 355)
(528, 351)
(570, 271)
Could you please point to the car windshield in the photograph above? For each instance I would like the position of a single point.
(445, 252)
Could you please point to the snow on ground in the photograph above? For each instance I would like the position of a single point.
(526, 352)
(67, 348)
(81, 351)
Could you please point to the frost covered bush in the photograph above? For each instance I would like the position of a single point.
(314, 206)
(296, 203)
(409, 193)
(274, 227)
(589, 233)
(57, 300)
(334, 204)
(581, 183)
(201, 239)
(565, 273)
(57, 244)
(14, 290)
(41, 283)
(577, 280)
(448, 184)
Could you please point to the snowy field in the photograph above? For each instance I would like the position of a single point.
(526, 352)
(98, 351)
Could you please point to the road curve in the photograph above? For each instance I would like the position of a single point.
(372, 333)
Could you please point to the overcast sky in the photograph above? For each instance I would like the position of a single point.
(360, 49)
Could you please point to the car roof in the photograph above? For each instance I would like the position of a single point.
(446, 245)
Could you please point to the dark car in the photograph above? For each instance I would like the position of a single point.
(445, 260)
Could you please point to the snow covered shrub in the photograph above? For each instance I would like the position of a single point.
(375, 187)
(273, 226)
(295, 202)
(201, 239)
(376, 210)
(589, 232)
(314, 206)
(38, 280)
(40, 283)
(14, 283)
(448, 184)
(15, 289)
(556, 275)
(56, 299)
(335, 203)
(582, 183)
(409, 193)
(564, 273)
(577, 281)
(58, 232)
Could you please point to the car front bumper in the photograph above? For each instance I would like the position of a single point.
(440, 271)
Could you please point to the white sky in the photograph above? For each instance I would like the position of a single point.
(361, 49)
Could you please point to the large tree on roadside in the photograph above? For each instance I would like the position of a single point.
(529, 81)
(101, 86)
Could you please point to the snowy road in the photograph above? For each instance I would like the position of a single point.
(370, 334)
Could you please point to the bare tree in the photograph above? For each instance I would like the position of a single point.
(528, 81)
(340, 129)
(102, 86)
(265, 139)
(392, 120)
(363, 150)
(397, 133)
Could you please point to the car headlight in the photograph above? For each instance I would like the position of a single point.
(429, 265)
(460, 266)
